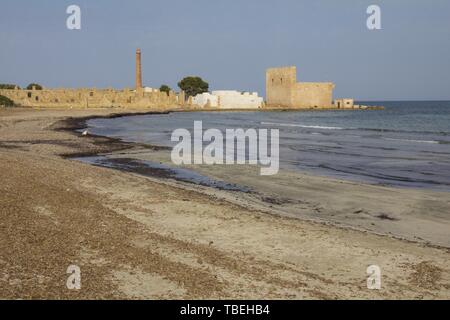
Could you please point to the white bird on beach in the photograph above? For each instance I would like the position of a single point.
(85, 133)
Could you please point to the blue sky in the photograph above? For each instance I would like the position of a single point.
(231, 43)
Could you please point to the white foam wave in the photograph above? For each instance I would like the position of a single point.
(409, 140)
(300, 126)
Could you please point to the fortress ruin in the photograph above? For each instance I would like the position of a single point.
(139, 97)
(283, 90)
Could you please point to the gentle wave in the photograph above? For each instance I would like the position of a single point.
(409, 140)
(300, 126)
(403, 131)
(381, 130)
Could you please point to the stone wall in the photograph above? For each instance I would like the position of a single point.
(283, 90)
(91, 98)
(279, 86)
(313, 95)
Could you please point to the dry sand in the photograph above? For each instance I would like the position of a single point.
(139, 237)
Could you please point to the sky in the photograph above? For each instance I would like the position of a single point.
(230, 44)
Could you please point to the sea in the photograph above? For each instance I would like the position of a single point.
(405, 145)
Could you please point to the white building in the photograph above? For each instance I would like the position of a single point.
(148, 89)
(344, 103)
(206, 99)
(228, 99)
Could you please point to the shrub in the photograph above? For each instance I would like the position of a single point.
(8, 86)
(165, 88)
(6, 102)
(36, 85)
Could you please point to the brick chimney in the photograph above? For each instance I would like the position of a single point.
(138, 70)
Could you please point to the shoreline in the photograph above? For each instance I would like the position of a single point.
(73, 124)
(278, 204)
(139, 237)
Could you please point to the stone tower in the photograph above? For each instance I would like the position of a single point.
(138, 70)
(283, 90)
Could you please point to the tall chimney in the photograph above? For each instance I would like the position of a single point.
(138, 69)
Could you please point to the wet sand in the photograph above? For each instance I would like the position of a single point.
(156, 238)
(417, 215)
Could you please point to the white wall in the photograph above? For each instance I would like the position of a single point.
(203, 98)
(229, 99)
(148, 89)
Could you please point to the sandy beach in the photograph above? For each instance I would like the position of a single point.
(138, 237)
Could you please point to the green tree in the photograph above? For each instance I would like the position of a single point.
(36, 85)
(165, 88)
(193, 86)
(6, 102)
(7, 86)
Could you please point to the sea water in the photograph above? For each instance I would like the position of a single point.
(407, 144)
